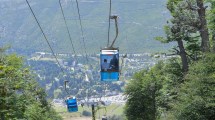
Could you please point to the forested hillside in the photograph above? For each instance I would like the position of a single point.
(139, 22)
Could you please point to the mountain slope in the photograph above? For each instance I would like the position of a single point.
(139, 22)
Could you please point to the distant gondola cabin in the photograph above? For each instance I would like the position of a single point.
(109, 59)
(71, 103)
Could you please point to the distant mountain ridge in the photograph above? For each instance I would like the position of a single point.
(139, 22)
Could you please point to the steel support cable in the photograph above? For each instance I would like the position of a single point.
(110, 7)
(82, 32)
(44, 35)
(70, 35)
(70, 38)
(46, 41)
(76, 22)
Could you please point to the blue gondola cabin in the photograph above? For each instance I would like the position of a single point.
(71, 103)
(109, 59)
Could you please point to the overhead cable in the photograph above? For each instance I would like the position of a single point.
(82, 32)
(46, 41)
(44, 35)
(67, 27)
(76, 23)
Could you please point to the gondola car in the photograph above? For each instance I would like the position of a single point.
(109, 59)
(71, 103)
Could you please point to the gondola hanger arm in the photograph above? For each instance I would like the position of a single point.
(117, 30)
(65, 82)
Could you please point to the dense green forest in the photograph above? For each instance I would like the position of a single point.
(181, 88)
(20, 95)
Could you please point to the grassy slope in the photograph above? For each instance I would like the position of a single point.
(111, 110)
